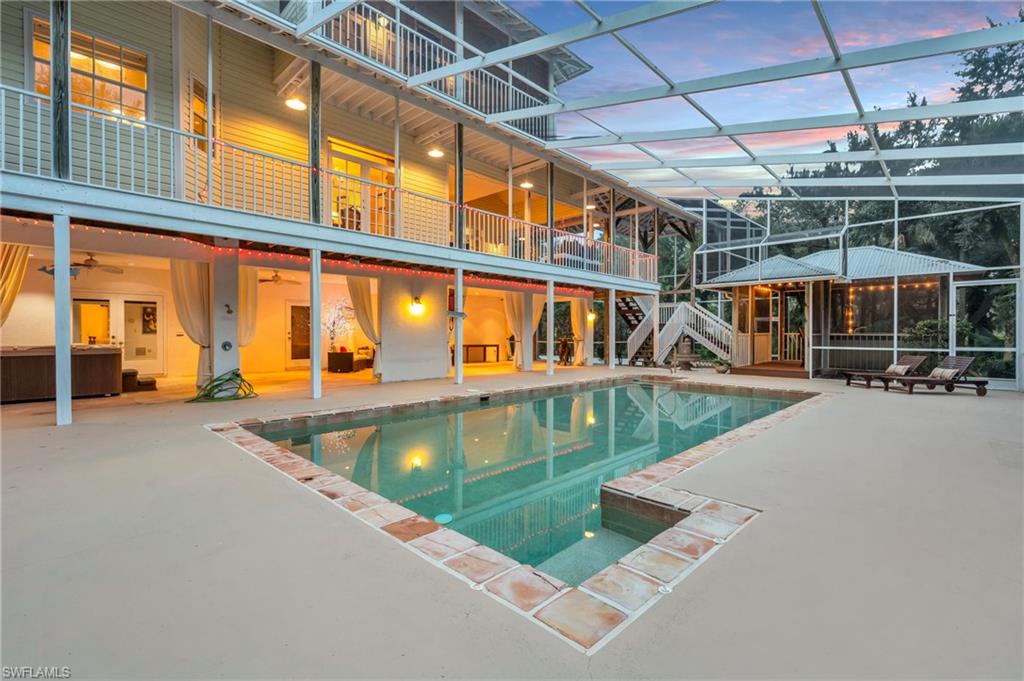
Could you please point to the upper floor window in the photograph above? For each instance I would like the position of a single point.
(104, 75)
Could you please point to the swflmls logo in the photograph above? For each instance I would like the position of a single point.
(10, 672)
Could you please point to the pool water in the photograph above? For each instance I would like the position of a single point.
(524, 477)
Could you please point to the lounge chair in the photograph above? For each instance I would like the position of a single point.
(912, 362)
(957, 366)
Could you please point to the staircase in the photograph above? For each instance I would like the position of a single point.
(676, 320)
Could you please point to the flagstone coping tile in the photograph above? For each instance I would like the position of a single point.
(341, 489)
(361, 501)
(665, 495)
(410, 528)
(656, 563)
(623, 587)
(684, 543)
(730, 513)
(480, 563)
(628, 484)
(707, 525)
(324, 480)
(581, 617)
(525, 587)
(442, 544)
(384, 514)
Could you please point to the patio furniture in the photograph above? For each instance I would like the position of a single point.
(913, 362)
(957, 367)
(340, 362)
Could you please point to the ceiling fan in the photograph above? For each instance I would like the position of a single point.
(278, 279)
(91, 263)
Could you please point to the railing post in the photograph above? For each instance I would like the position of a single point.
(315, 376)
(60, 89)
(315, 209)
(550, 311)
(460, 189)
(209, 109)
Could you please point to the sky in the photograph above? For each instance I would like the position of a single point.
(736, 35)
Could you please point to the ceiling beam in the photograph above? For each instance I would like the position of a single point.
(910, 113)
(315, 18)
(591, 29)
(918, 49)
(906, 181)
(910, 154)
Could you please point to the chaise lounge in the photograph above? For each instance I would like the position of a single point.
(912, 362)
(950, 374)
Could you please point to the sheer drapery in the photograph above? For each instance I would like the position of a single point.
(248, 297)
(514, 318)
(13, 262)
(190, 289)
(366, 315)
(578, 317)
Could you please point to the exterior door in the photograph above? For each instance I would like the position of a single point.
(983, 325)
(142, 322)
(298, 336)
(792, 337)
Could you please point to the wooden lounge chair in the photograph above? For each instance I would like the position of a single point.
(865, 377)
(960, 365)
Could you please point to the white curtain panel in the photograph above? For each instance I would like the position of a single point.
(190, 289)
(13, 262)
(578, 317)
(514, 317)
(248, 299)
(366, 314)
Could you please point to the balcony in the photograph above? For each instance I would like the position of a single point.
(118, 152)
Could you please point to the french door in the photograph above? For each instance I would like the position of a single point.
(298, 335)
(135, 323)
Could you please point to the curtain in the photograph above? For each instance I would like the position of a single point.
(578, 317)
(514, 304)
(366, 317)
(13, 261)
(190, 289)
(248, 297)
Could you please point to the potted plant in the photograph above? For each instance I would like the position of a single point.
(336, 320)
(721, 366)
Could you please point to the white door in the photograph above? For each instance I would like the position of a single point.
(984, 325)
(297, 324)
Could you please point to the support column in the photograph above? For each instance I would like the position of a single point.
(209, 110)
(460, 188)
(526, 333)
(609, 342)
(62, 315)
(315, 368)
(399, 225)
(459, 463)
(550, 309)
(549, 441)
(656, 329)
(458, 325)
(60, 89)
(224, 304)
(316, 214)
(551, 212)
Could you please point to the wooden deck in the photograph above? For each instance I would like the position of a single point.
(778, 369)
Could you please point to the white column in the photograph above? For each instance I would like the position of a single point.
(609, 342)
(315, 368)
(62, 316)
(458, 326)
(224, 304)
(656, 311)
(551, 328)
(526, 333)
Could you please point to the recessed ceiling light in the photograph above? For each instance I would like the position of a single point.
(526, 184)
(294, 102)
(435, 153)
(590, 206)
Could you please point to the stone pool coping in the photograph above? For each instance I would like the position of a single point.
(586, 617)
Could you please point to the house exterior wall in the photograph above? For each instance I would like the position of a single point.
(413, 347)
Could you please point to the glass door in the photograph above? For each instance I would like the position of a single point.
(793, 326)
(298, 336)
(983, 322)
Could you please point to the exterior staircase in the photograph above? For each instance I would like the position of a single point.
(675, 321)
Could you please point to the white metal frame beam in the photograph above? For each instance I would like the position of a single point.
(908, 154)
(910, 180)
(918, 49)
(320, 16)
(591, 29)
(912, 113)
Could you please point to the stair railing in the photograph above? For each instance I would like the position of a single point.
(639, 335)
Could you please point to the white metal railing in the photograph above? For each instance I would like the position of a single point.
(367, 31)
(497, 234)
(425, 218)
(639, 335)
(25, 133)
(709, 330)
(358, 204)
(793, 347)
(257, 182)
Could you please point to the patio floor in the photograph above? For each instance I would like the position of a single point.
(137, 544)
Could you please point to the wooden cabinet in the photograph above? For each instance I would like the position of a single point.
(28, 374)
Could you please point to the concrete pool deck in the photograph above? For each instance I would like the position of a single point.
(136, 543)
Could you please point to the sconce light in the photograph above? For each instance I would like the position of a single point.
(591, 316)
(416, 307)
(591, 419)
(294, 102)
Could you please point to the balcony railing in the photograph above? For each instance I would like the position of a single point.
(118, 152)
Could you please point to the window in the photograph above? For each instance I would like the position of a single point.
(200, 118)
(103, 75)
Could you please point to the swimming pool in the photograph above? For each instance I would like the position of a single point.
(524, 476)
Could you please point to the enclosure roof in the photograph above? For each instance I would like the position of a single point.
(863, 262)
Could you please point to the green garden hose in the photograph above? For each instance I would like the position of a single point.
(228, 386)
